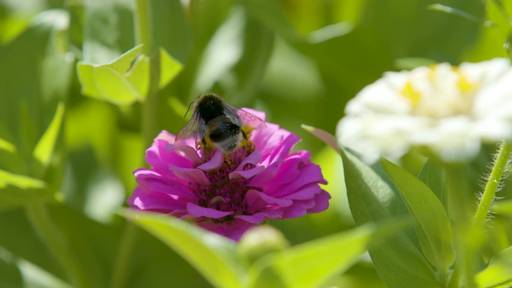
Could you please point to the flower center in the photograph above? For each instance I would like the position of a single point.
(439, 91)
(225, 193)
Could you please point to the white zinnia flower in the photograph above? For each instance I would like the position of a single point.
(448, 109)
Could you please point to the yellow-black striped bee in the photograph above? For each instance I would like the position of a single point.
(217, 124)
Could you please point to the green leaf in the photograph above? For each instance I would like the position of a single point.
(432, 176)
(18, 190)
(503, 208)
(125, 79)
(29, 99)
(169, 68)
(312, 263)
(212, 255)
(454, 11)
(433, 225)
(152, 263)
(9, 274)
(19, 181)
(113, 87)
(498, 273)
(124, 62)
(398, 261)
(7, 146)
(44, 148)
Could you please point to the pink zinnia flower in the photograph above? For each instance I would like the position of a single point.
(230, 193)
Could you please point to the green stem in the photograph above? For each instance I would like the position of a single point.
(42, 222)
(149, 130)
(459, 208)
(500, 165)
(122, 264)
(144, 36)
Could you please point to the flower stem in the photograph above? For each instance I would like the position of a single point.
(149, 129)
(150, 104)
(123, 260)
(500, 165)
(459, 208)
(38, 215)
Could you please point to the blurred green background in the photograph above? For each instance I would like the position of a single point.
(298, 60)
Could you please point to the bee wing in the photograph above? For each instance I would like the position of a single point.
(193, 129)
(251, 118)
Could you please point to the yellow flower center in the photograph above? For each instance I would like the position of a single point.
(439, 91)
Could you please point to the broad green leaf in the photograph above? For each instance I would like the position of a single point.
(44, 148)
(312, 263)
(151, 263)
(494, 35)
(124, 62)
(107, 84)
(432, 176)
(498, 273)
(397, 261)
(7, 146)
(212, 255)
(125, 79)
(433, 225)
(9, 274)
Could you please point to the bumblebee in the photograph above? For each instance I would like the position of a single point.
(217, 124)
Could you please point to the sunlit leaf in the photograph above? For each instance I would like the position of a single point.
(18, 190)
(7, 146)
(212, 255)
(169, 68)
(96, 246)
(20, 181)
(498, 273)
(46, 145)
(397, 261)
(433, 225)
(453, 11)
(312, 263)
(125, 79)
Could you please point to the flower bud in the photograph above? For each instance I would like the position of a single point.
(261, 241)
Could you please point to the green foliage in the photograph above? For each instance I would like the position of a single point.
(213, 255)
(499, 271)
(81, 98)
(433, 225)
(126, 79)
(45, 145)
(300, 265)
